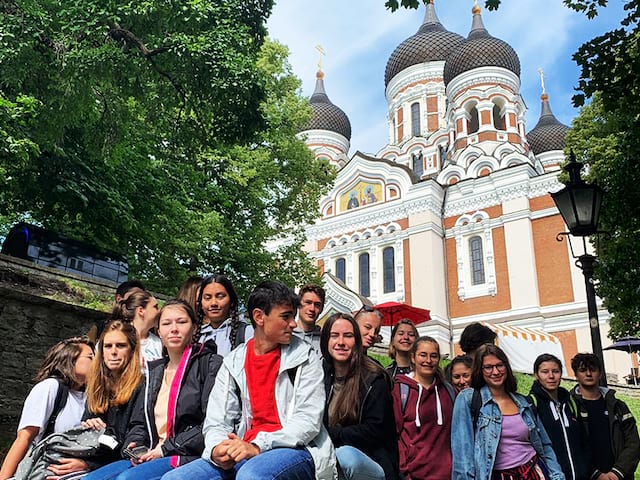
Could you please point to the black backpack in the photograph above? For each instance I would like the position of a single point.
(58, 405)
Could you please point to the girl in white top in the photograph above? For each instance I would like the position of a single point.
(68, 362)
(218, 313)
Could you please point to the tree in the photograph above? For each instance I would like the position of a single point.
(163, 130)
(607, 136)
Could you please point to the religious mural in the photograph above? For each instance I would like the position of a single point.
(363, 193)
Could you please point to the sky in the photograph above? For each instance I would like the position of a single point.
(358, 36)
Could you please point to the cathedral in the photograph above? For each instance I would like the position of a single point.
(453, 214)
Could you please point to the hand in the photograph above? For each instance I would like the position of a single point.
(94, 423)
(66, 466)
(240, 450)
(607, 476)
(152, 454)
(220, 457)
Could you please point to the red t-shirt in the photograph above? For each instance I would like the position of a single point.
(262, 372)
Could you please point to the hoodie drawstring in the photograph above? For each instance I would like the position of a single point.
(418, 423)
(438, 407)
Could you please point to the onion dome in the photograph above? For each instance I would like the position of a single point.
(432, 42)
(480, 50)
(327, 116)
(549, 133)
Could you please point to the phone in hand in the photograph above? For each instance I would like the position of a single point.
(135, 453)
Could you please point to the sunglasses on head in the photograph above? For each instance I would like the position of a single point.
(364, 308)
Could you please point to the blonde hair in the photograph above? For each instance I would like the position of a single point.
(104, 389)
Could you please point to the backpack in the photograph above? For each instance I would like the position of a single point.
(77, 443)
(58, 405)
(240, 337)
(404, 394)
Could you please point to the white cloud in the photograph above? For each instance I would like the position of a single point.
(359, 35)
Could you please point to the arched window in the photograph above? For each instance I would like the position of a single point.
(388, 270)
(418, 164)
(363, 261)
(477, 260)
(341, 269)
(473, 124)
(415, 119)
(498, 119)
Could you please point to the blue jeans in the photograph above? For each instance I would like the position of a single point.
(276, 464)
(355, 465)
(124, 470)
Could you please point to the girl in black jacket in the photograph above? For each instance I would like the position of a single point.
(559, 415)
(167, 418)
(113, 386)
(359, 408)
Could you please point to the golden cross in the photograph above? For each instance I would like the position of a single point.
(541, 72)
(321, 52)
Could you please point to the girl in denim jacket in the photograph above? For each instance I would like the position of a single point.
(508, 442)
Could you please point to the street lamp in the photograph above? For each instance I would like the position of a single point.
(579, 204)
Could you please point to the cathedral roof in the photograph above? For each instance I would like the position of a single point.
(432, 42)
(549, 133)
(326, 115)
(480, 49)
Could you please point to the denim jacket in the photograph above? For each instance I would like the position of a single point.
(473, 458)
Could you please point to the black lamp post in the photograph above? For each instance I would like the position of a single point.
(579, 204)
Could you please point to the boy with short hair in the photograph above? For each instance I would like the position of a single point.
(611, 428)
(312, 299)
(264, 416)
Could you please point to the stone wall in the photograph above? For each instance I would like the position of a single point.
(31, 323)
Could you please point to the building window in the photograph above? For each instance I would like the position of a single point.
(363, 261)
(415, 119)
(477, 260)
(418, 164)
(341, 269)
(388, 270)
(473, 123)
(498, 119)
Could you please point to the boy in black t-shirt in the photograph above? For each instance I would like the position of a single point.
(612, 432)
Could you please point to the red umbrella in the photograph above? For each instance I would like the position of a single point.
(395, 311)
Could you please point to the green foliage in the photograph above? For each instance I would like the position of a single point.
(606, 136)
(162, 130)
(393, 5)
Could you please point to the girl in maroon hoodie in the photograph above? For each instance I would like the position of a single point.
(423, 407)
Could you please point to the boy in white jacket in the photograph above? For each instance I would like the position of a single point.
(264, 416)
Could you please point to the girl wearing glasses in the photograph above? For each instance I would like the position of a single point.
(359, 409)
(403, 336)
(65, 368)
(497, 435)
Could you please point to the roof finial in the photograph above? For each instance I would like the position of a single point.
(476, 8)
(544, 95)
(321, 54)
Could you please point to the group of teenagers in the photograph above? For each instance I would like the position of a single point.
(195, 391)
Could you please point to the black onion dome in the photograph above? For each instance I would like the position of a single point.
(549, 133)
(480, 50)
(327, 116)
(432, 42)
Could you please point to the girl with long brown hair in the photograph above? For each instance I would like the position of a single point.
(65, 368)
(359, 409)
